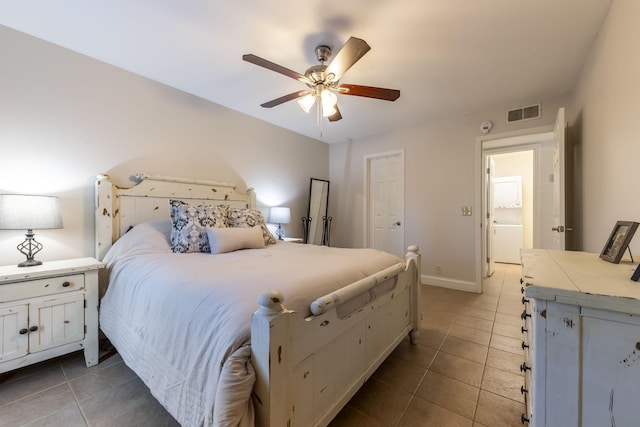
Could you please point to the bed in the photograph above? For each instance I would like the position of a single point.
(277, 336)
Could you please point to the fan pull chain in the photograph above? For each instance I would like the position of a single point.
(319, 116)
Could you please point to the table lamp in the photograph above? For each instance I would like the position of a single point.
(27, 212)
(280, 215)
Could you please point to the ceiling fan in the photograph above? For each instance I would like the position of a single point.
(323, 81)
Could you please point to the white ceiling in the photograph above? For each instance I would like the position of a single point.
(445, 56)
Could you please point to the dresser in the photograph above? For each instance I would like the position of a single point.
(47, 311)
(581, 340)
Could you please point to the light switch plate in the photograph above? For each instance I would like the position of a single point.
(466, 211)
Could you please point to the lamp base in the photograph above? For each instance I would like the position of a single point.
(29, 248)
(30, 263)
(280, 232)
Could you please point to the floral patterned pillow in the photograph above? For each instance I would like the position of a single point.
(189, 225)
(250, 218)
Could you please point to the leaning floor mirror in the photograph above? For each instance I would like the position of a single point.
(316, 225)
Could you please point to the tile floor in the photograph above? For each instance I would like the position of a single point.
(463, 372)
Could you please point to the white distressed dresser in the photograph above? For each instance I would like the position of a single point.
(581, 340)
(47, 311)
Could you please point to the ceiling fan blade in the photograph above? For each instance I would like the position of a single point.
(274, 67)
(369, 92)
(284, 99)
(351, 52)
(335, 116)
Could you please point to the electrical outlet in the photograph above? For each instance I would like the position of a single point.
(438, 269)
(466, 210)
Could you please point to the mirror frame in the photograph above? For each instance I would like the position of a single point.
(316, 225)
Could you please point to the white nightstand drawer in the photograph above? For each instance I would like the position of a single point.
(39, 287)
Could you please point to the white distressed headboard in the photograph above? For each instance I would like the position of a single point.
(118, 209)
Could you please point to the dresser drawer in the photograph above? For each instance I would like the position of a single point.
(39, 287)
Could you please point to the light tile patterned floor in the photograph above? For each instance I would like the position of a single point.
(463, 372)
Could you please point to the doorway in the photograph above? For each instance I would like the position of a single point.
(510, 200)
(540, 145)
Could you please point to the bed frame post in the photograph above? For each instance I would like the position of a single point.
(413, 255)
(251, 198)
(270, 356)
(104, 212)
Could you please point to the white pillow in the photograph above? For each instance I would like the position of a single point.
(239, 217)
(145, 238)
(223, 240)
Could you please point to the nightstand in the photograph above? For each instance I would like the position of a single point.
(47, 311)
(293, 239)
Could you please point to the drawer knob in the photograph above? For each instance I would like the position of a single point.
(524, 315)
(524, 345)
(524, 300)
(33, 328)
(524, 368)
(523, 390)
(523, 329)
(522, 290)
(67, 284)
(524, 419)
(23, 331)
(521, 281)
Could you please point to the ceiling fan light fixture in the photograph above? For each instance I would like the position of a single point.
(307, 102)
(329, 99)
(323, 79)
(326, 112)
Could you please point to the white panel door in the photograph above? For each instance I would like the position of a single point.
(559, 181)
(386, 203)
(490, 216)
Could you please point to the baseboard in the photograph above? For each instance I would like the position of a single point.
(459, 285)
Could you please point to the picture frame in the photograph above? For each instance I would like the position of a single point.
(618, 241)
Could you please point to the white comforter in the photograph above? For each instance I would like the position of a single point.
(182, 321)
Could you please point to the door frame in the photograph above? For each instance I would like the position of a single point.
(505, 140)
(367, 197)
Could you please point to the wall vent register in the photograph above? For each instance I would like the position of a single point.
(523, 113)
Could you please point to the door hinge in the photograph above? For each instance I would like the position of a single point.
(488, 260)
(488, 171)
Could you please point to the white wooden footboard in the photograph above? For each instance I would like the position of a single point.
(308, 368)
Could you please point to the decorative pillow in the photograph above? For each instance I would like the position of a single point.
(248, 218)
(223, 240)
(188, 225)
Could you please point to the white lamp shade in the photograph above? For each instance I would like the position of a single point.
(329, 99)
(26, 212)
(280, 215)
(307, 102)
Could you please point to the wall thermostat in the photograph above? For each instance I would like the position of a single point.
(485, 127)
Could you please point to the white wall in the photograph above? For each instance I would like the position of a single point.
(65, 118)
(440, 178)
(606, 116)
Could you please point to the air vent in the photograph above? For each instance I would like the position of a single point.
(523, 113)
